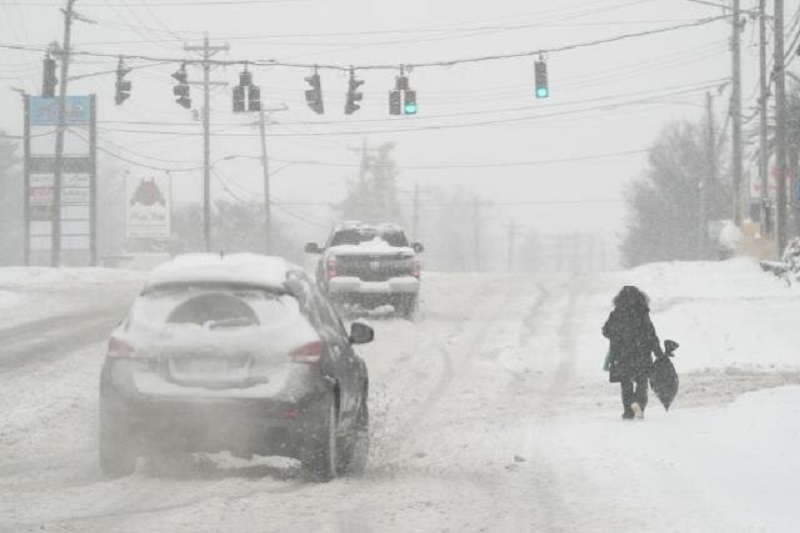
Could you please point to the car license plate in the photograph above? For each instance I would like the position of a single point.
(223, 368)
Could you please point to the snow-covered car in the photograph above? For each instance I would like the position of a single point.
(239, 353)
(369, 265)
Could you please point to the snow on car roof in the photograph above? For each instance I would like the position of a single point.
(239, 268)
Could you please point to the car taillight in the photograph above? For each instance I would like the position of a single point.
(332, 267)
(118, 348)
(415, 267)
(307, 353)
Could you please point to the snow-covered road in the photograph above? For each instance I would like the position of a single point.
(489, 413)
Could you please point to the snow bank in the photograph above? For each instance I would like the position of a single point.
(36, 277)
(723, 314)
(738, 462)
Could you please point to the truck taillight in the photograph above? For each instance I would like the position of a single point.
(331, 267)
(307, 353)
(415, 267)
(119, 349)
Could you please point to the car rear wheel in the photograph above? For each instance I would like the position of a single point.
(357, 452)
(116, 450)
(321, 458)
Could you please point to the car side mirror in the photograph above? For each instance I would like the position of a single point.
(670, 346)
(417, 246)
(313, 248)
(361, 332)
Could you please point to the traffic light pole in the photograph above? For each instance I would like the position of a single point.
(208, 51)
(55, 246)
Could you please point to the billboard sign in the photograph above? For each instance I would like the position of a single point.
(148, 207)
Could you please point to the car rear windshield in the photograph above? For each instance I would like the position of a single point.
(212, 307)
(356, 236)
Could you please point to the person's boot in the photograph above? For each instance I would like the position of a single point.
(637, 410)
(628, 414)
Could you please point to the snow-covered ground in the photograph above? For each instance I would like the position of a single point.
(489, 413)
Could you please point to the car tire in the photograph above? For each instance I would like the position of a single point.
(356, 456)
(116, 450)
(321, 459)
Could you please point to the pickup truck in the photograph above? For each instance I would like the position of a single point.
(369, 265)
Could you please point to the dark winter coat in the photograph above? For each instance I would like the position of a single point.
(633, 341)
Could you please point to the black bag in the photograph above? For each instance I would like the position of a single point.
(663, 377)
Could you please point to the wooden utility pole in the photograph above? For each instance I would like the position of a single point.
(208, 52)
(707, 181)
(512, 237)
(780, 126)
(763, 156)
(415, 217)
(262, 127)
(476, 206)
(55, 246)
(736, 113)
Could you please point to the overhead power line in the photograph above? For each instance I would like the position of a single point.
(431, 64)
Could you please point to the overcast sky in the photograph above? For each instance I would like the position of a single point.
(469, 115)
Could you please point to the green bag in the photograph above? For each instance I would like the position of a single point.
(607, 361)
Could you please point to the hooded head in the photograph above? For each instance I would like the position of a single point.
(631, 298)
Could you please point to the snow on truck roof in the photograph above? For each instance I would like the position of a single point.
(358, 225)
(240, 268)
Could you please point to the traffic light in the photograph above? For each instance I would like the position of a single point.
(245, 78)
(540, 77)
(49, 79)
(314, 94)
(123, 86)
(410, 105)
(395, 102)
(401, 83)
(254, 98)
(182, 89)
(353, 96)
(238, 99)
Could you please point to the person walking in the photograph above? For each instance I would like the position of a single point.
(633, 340)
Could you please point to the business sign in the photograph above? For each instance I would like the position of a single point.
(148, 207)
(76, 206)
(44, 111)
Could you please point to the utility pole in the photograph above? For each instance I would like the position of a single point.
(512, 237)
(262, 127)
(208, 52)
(780, 126)
(706, 181)
(763, 156)
(476, 206)
(415, 218)
(736, 112)
(55, 246)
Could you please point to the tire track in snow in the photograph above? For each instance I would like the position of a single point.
(48, 339)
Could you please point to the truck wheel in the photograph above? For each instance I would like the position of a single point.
(408, 306)
(117, 452)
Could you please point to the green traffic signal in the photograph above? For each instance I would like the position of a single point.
(410, 103)
(540, 75)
